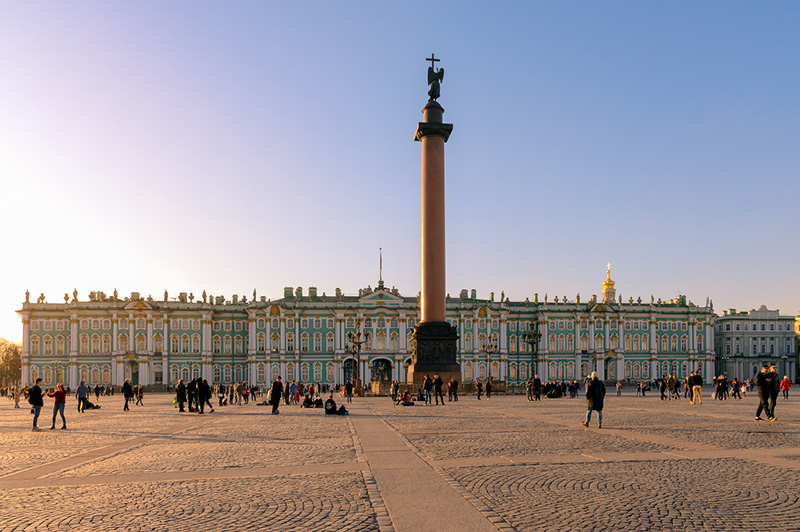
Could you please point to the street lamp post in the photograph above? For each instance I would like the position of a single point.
(532, 339)
(355, 341)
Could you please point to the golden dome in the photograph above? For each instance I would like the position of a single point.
(608, 284)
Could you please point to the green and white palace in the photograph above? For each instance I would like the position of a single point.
(304, 336)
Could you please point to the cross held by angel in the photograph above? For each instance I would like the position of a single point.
(435, 78)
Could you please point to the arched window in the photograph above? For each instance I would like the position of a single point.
(276, 370)
(350, 323)
(304, 372)
(636, 371)
(645, 370)
(329, 375)
(481, 371)
(276, 325)
(584, 343)
(261, 374)
(636, 343)
(614, 340)
(570, 370)
(368, 341)
(317, 342)
(107, 344)
(48, 346)
(553, 371)
(84, 344)
(106, 375)
(468, 371)
(217, 374)
(381, 323)
(141, 342)
(276, 341)
(60, 346)
(552, 343)
(304, 343)
(237, 373)
(196, 344)
(628, 369)
(393, 323)
(237, 345)
(290, 372)
(684, 344)
(627, 342)
(368, 323)
(290, 342)
(186, 374)
(185, 344)
(570, 343)
(173, 374)
(84, 374)
(381, 341)
(228, 345)
(95, 375)
(227, 373)
(261, 343)
(330, 343)
(217, 345)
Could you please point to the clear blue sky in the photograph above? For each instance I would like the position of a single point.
(232, 146)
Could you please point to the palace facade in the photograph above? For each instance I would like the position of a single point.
(307, 337)
(747, 340)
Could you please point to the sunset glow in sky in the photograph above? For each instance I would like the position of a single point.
(230, 146)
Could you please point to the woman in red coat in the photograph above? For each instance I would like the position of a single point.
(786, 384)
(60, 395)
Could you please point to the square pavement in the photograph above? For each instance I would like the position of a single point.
(503, 464)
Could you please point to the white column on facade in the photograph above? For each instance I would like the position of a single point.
(73, 335)
(476, 335)
(131, 323)
(578, 372)
(25, 355)
(283, 370)
(591, 335)
(114, 333)
(578, 334)
(149, 343)
(693, 348)
(251, 334)
(503, 347)
(653, 333)
(607, 335)
(283, 339)
(403, 335)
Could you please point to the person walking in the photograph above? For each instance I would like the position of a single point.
(139, 395)
(619, 388)
(127, 392)
(82, 394)
(348, 391)
(537, 388)
(437, 388)
(37, 402)
(60, 401)
(180, 395)
(595, 393)
(479, 389)
(764, 388)
(697, 388)
(488, 388)
(786, 385)
(427, 386)
(15, 393)
(774, 385)
(275, 398)
(455, 390)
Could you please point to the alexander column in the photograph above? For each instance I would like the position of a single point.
(434, 341)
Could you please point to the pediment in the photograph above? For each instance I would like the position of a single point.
(380, 296)
(139, 304)
(602, 307)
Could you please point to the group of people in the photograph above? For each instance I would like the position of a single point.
(286, 392)
(36, 399)
(769, 386)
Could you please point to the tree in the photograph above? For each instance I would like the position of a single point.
(10, 363)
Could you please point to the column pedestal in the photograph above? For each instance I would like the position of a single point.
(433, 351)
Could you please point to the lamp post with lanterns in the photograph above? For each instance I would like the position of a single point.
(532, 339)
(355, 342)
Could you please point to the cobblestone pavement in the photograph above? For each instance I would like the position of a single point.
(655, 465)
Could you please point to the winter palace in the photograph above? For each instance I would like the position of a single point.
(304, 336)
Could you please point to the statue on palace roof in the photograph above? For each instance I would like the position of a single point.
(66, 297)
(75, 294)
(27, 296)
(204, 296)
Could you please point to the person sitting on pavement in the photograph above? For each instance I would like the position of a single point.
(406, 399)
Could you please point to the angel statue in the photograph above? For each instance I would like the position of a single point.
(435, 78)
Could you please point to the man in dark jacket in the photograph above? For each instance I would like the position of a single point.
(437, 388)
(595, 393)
(427, 385)
(275, 397)
(180, 395)
(774, 390)
(764, 390)
(37, 402)
(127, 391)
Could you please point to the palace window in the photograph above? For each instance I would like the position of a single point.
(317, 343)
(512, 326)
(317, 323)
(185, 344)
(290, 323)
(226, 326)
(158, 343)
(481, 323)
(196, 344)
(304, 323)
(468, 323)
(48, 346)
(60, 345)
(330, 323)
(84, 344)
(228, 345)
(60, 325)
(393, 323)
(330, 345)
(195, 324)
(261, 342)
(217, 345)
(290, 342)
(276, 323)
(48, 325)
(381, 323)
(495, 324)
(350, 323)
(260, 323)
(304, 343)
(237, 326)
(237, 345)
(411, 323)
(217, 326)
(184, 324)
(95, 344)
(140, 323)
(368, 323)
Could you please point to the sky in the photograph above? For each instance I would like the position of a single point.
(228, 147)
